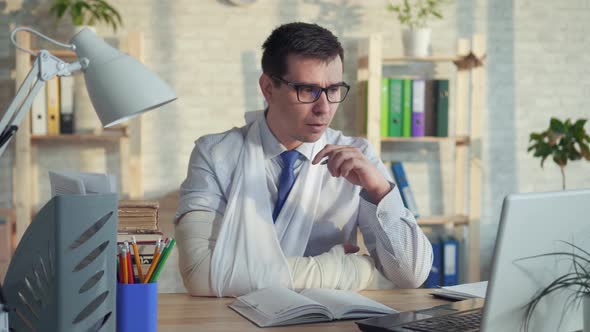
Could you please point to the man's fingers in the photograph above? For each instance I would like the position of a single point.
(324, 152)
(350, 248)
(346, 167)
(328, 151)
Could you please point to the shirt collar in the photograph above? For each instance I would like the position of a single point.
(272, 147)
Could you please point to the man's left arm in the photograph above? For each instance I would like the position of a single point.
(392, 236)
(394, 239)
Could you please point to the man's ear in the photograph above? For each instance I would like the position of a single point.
(266, 85)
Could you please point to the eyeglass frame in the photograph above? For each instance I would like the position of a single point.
(297, 86)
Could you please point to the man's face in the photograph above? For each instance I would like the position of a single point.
(291, 121)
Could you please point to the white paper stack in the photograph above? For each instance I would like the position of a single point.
(77, 183)
(462, 292)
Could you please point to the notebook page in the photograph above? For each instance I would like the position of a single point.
(476, 289)
(346, 304)
(275, 302)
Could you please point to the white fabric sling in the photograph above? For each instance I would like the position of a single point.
(251, 251)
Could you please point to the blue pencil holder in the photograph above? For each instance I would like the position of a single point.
(137, 307)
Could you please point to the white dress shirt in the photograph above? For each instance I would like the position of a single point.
(397, 245)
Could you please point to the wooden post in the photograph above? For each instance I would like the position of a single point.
(374, 64)
(461, 128)
(475, 164)
(135, 167)
(22, 166)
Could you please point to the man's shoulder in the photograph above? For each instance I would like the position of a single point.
(337, 137)
(232, 138)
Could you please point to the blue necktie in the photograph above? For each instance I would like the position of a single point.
(286, 180)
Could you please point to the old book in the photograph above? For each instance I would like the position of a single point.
(282, 306)
(138, 204)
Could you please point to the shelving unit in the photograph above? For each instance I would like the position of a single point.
(127, 137)
(465, 135)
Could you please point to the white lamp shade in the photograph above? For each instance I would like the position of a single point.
(119, 86)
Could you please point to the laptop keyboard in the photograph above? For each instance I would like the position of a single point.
(463, 322)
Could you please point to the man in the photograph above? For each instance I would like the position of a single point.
(278, 202)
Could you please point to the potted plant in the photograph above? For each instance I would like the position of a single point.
(87, 12)
(563, 141)
(577, 280)
(414, 14)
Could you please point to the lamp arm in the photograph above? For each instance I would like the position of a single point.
(45, 67)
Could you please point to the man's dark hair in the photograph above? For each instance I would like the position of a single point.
(304, 39)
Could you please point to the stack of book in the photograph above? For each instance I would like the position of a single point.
(138, 223)
(138, 219)
(138, 216)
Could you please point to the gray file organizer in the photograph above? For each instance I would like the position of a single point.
(62, 276)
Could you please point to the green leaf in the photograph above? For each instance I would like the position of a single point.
(574, 154)
(543, 149)
(579, 280)
(584, 150)
(557, 126)
(578, 131)
(536, 136)
(87, 12)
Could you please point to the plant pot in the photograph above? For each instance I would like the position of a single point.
(416, 42)
(586, 312)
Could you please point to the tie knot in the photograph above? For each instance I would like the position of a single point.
(289, 158)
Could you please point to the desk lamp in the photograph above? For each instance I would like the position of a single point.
(62, 276)
(119, 86)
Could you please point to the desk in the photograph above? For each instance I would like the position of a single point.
(181, 312)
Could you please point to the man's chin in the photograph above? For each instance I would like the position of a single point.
(312, 138)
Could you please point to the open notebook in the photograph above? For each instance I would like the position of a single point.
(282, 306)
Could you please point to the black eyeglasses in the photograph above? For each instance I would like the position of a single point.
(310, 93)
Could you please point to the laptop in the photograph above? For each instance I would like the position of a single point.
(530, 224)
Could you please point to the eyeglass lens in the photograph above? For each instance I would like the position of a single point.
(309, 94)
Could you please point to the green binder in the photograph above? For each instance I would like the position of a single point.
(407, 108)
(384, 107)
(395, 107)
(442, 108)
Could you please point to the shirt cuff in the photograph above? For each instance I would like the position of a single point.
(391, 207)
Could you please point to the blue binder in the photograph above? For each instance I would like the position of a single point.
(404, 188)
(450, 247)
(434, 279)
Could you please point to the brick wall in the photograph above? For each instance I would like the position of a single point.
(210, 51)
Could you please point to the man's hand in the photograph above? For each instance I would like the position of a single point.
(350, 248)
(350, 163)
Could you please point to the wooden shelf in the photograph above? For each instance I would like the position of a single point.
(363, 61)
(459, 140)
(60, 53)
(464, 173)
(78, 138)
(434, 58)
(443, 220)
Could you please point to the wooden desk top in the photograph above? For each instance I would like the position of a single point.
(181, 312)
